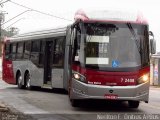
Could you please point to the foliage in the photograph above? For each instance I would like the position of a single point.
(8, 33)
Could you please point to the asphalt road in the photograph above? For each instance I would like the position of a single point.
(54, 104)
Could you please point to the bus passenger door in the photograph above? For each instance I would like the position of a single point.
(47, 62)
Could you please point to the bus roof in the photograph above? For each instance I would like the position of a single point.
(111, 16)
(40, 34)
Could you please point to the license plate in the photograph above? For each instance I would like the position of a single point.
(111, 96)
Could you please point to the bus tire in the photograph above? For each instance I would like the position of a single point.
(28, 81)
(74, 102)
(133, 104)
(20, 81)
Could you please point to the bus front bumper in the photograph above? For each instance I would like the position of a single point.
(81, 90)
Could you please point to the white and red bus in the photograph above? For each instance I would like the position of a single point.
(100, 56)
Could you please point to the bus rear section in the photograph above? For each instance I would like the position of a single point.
(7, 66)
(110, 60)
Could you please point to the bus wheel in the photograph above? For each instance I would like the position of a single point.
(74, 102)
(133, 104)
(19, 81)
(28, 82)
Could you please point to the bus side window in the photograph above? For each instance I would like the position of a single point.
(7, 51)
(20, 50)
(27, 50)
(13, 50)
(58, 53)
(35, 49)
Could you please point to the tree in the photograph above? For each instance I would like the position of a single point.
(8, 33)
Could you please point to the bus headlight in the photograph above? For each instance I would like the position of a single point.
(76, 76)
(79, 77)
(143, 79)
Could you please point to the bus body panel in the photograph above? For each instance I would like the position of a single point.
(8, 72)
(19, 66)
(87, 91)
(113, 78)
(66, 73)
(35, 72)
(57, 78)
(101, 83)
(67, 59)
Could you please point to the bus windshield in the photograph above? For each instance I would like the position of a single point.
(114, 46)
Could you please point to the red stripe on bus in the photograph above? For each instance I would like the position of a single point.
(111, 78)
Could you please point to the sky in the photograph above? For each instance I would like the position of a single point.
(31, 20)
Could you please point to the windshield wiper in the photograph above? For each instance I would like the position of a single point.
(138, 44)
(134, 36)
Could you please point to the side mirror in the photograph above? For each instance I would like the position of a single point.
(152, 43)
